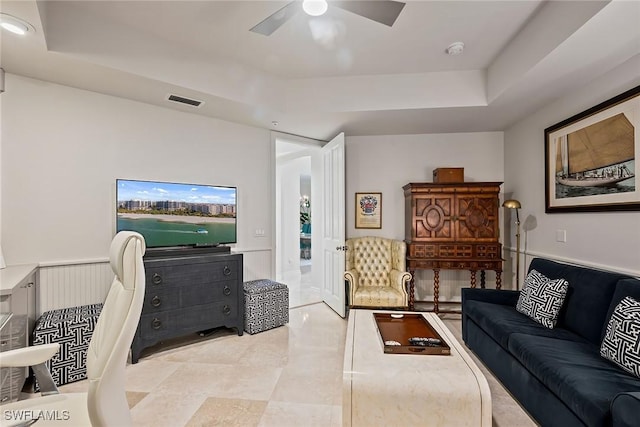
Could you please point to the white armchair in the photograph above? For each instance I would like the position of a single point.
(105, 403)
(376, 272)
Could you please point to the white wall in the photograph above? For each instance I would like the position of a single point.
(387, 163)
(63, 148)
(609, 240)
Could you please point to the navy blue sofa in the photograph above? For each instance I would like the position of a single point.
(557, 374)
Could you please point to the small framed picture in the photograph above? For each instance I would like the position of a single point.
(368, 210)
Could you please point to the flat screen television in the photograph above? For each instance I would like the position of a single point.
(171, 214)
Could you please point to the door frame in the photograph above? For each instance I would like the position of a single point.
(274, 138)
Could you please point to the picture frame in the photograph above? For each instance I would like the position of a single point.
(591, 159)
(368, 209)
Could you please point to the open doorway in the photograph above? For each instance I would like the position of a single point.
(294, 222)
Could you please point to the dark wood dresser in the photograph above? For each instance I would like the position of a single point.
(188, 293)
(452, 227)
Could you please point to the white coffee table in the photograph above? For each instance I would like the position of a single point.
(409, 390)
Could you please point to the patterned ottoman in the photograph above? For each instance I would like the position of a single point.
(266, 305)
(72, 329)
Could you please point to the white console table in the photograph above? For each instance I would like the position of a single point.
(18, 308)
(18, 292)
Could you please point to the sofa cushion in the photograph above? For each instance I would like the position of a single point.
(500, 321)
(588, 297)
(625, 288)
(575, 372)
(541, 298)
(625, 409)
(621, 342)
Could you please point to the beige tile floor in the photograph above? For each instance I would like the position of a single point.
(288, 376)
(301, 288)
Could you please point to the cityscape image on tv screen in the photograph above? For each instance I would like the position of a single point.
(173, 214)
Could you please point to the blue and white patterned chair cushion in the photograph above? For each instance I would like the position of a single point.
(621, 343)
(541, 298)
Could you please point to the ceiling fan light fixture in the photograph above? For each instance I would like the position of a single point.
(315, 7)
(15, 25)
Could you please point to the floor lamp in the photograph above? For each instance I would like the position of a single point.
(514, 204)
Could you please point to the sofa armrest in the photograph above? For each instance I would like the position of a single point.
(493, 296)
(625, 408)
(351, 276)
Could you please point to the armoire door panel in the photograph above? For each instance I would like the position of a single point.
(478, 217)
(433, 218)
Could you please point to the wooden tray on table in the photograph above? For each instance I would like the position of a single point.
(392, 327)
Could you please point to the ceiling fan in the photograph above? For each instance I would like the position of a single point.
(383, 11)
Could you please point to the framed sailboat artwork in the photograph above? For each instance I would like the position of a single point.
(591, 159)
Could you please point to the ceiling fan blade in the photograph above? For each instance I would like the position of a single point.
(275, 20)
(383, 11)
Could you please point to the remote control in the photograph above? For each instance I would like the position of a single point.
(425, 342)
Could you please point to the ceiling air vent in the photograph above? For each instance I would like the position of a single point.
(183, 100)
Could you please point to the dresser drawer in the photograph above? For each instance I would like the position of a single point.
(157, 326)
(455, 251)
(191, 273)
(161, 299)
(226, 292)
(423, 251)
(415, 264)
(11, 342)
(170, 298)
(488, 251)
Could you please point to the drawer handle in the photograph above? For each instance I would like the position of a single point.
(226, 270)
(226, 291)
(156, 301)
(156, 279)
(156, 323)
(226, 310)
(3, 342)
(4, 399)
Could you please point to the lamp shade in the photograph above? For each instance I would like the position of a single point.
(511, 204)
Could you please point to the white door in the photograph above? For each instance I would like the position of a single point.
(333, 229)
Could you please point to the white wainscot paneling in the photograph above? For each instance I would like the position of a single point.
(62, 286)
(72, 285)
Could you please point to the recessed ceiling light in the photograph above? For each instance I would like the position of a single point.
(455, 48)
(15, 25)
(314, 7)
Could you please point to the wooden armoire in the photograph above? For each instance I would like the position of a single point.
(452, 227)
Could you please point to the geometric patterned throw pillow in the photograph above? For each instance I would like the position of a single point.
(621, 343)
(541, 298)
